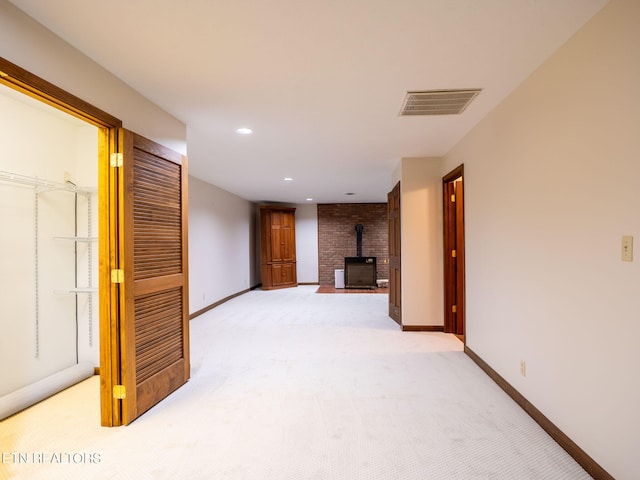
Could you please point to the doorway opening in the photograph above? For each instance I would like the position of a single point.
(454, 243)
(49, 204)
(68, 202)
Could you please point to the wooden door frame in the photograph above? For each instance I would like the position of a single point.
(36, 87)
(454, 266)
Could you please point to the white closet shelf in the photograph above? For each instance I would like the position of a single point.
(78, 290)
(77, 239)
(44, 185)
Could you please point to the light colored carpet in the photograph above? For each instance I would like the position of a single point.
(291, 385)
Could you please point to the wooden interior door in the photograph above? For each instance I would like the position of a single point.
(149, 351)
(460, 287)
(395, 284)
(454, 268)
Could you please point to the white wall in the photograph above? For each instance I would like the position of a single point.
(220, 252)
(551, 185)
(30, 46)
(421, 221)
(396, 176)
(307, 243)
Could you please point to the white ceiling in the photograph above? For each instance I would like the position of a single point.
(321, 83)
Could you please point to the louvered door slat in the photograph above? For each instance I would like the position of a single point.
(157, 217)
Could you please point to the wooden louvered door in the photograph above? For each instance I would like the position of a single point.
(154, 320)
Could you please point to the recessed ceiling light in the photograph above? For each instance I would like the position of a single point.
(244, 131)
(288, 179)
(350, 193)
(309, 199)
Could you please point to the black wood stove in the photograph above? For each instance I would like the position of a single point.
(359, 271)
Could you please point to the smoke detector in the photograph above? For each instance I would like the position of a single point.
(438, 102)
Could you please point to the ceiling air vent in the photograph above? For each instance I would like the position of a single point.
(438, 102)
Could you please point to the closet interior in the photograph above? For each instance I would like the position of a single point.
(49, 248)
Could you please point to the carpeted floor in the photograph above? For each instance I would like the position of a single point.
(290, 385)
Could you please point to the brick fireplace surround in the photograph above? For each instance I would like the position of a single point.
(337, 236)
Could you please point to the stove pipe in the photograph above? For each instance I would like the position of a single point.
(359, 229)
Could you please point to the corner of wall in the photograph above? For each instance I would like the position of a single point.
(422, 266)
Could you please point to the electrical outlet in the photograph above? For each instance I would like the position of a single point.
(523, 368)
(627, 248)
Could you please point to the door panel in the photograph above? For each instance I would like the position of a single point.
(283, 274)
(459, 193)
(152, 232)
(276, 243)
(282, 237)
(449, 258)
(277, 240)
(395, 290)
(289, 244)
